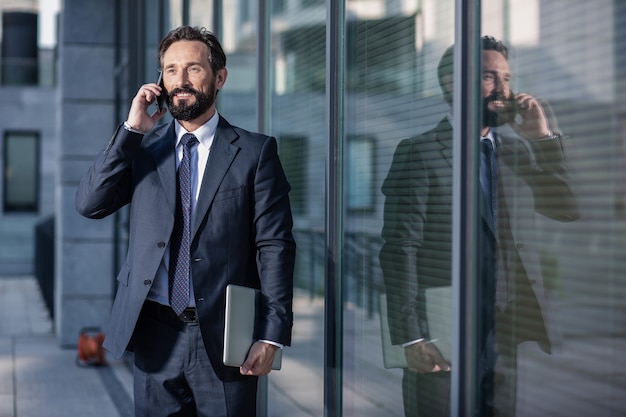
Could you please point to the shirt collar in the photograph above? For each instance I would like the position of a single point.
(204, 133)
(490, 134)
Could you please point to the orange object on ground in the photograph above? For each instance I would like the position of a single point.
(90, 350)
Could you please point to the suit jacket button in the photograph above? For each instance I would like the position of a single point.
(519, 246)
(147, 282)
(161, 245)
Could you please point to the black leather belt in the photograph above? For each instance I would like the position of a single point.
(189, 315)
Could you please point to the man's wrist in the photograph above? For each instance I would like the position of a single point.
(550, 136)
(128, 127)
(412, 342)
(269, 342)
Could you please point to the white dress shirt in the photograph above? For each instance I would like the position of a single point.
(159, 291)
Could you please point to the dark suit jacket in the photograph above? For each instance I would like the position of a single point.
(241, 233)
(417, 229)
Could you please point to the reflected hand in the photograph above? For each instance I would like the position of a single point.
(259, 360)
(424, 357)
(534, 124)
(138, 116)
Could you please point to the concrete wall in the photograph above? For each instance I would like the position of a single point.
(84, 283)
(30, 109)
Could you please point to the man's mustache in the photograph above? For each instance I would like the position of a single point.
(188, 90)
(497, 97)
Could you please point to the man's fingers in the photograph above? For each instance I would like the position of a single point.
(259, 360)
(443, 366)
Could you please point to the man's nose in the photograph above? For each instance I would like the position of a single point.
(181, 79)
(501, 86)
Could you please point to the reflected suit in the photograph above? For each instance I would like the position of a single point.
(417, 253)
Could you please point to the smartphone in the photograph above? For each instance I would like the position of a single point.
(511, 105)
(510, 111)
(160, 99)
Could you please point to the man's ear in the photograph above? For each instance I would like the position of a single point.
(220, 78)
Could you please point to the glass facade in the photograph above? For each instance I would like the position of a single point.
(387, 196)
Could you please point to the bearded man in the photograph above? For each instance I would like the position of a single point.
(524, 172)
(209, 207)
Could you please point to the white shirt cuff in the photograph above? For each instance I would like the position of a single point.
(269, 342)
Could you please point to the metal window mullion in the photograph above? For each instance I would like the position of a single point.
(333, 311)
(263, 66)
(464, 211)
(262, 125)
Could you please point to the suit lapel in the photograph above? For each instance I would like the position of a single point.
(220, 159)
(444, 139)
(162, 150)
(487, 215)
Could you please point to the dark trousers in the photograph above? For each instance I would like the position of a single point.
(426, 395)
(174, 377)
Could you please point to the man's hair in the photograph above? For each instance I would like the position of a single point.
(446, 67)
(489, 43)
(446, 63)
(217, 58)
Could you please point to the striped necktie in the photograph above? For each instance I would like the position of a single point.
(488, 176)
(179, 269)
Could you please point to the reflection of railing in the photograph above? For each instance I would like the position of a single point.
(362, 278)
(309, 274)
(361, 270)
(44, 260)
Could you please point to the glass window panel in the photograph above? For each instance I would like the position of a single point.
(21, 172)
(292, 151)
(175, 13)
(201, 13)
(237, 100)
(397, 239)
(297, 112)
(559, 271)
(359, 175)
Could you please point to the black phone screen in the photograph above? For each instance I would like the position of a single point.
(160, 99)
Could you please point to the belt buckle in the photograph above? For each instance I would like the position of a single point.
(189, 315)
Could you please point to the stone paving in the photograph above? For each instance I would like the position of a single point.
(40, 379)
(585, 376)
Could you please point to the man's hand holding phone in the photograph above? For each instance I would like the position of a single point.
(138, 116)
(532, 122)
(160, 100)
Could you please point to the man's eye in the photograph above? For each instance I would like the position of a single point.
(488, 77)
(170, 71)
(194, 70)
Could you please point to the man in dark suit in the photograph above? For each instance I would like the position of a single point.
(529, 176)
(225, 219)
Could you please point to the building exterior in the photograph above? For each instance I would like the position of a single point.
(340, 84)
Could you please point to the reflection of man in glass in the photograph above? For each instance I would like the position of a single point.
(528, 174)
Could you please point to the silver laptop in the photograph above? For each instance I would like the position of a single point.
(241, 305)
(439, 316)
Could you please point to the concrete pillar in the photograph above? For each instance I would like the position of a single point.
(84, 248)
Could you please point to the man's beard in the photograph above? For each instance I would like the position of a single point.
(506, 114)
(187, 112)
